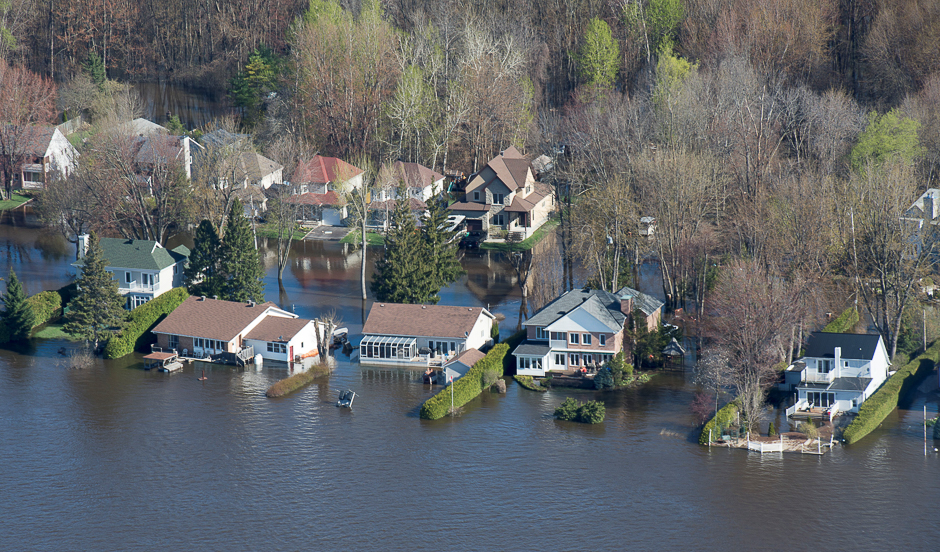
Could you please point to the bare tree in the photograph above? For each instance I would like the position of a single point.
(26, 99)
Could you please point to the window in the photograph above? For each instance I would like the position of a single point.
(32, 176)
(453, 346)
(559, 359)
(279, 348)
(824, 366)
(574, 359)
(499, 220)
(587, 339)
(498, 199)
(574, 338)
(174, 341)
(602, 339)
(540, 333)
(559, 336)
(176, 268)
(476, 196)
(127, 277)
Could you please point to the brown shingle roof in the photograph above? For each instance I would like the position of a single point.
(412, 175)
(420, 320)
(468, 357)
(468, 206)
(275, 328)
(211, 318)
(323, 170)
(35, 140)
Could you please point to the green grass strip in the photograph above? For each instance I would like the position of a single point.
(844, 323)
(15, 201)
(525, 244)
(372, 238)
(529, 383)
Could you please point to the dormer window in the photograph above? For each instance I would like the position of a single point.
(498, 199)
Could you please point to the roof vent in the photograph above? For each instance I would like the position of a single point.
(382, 305)
(203, 298)
(216, 297)
(424, 306)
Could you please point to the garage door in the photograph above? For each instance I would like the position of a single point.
(332, 217)
(474, 225)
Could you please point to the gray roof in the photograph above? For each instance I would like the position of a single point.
(839, 384)
(646, 303)
(600, 304)
(532, 349)
(139, 254)
(854, 346)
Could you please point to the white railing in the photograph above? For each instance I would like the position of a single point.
(833, 411)
(796, 407)
(135, 286)
(818, 377)
(761, 447)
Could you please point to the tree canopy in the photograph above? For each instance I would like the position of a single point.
(599, 58)
(97, 309)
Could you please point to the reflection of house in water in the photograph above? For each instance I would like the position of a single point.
(490, 278)
(314, 262)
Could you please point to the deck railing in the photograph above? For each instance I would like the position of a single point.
(796, 407)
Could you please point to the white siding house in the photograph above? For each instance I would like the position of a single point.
(144, 269)
(839, 371)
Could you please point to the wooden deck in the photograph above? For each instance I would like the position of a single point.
(812, 414)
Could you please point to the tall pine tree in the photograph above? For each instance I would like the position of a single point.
(18, 315)
(202, 273)
(404, 273)
(98, 308)
(440, 246)
(240, 268)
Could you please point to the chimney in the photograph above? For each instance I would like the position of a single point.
(838, 366)
(929, 207)
(82, 245)
(626, 305)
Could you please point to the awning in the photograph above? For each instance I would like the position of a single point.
(387, 340)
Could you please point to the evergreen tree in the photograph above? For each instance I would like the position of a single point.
(18, 316)
(404, 274)
(98, 308)
(441, 247)
(95, 69)
(202, 273)
(240, 269)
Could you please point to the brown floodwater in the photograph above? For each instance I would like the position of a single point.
(115, 458)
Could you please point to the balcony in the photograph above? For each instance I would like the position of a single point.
(136, 286)
(818, 377)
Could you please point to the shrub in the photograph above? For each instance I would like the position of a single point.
(467, 387)
(141, 320)
(771, 430)
(874, 410)
(529, 383)
(808, 429)
(591, 412)
(722, 419)
(844, 322)
(494, 331)
(45, 305)
(604, 379)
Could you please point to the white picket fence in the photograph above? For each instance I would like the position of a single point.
(761, 447)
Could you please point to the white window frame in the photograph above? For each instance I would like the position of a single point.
(586, 339)
(560, 359)
(540, 333)
(498, 199)
(127, 277)
(574, 338)
(476, 195)
(602, 340)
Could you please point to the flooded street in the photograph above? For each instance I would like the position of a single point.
(116, 458)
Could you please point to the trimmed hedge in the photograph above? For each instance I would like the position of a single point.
(467, 387)
(141, 320)
(874, 410)
(844, 322)
(529, 383)
(722, 418)
(297, 381)
(46, 306)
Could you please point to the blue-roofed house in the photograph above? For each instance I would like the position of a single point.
(583, 327)
(838, 372)
(144, 269)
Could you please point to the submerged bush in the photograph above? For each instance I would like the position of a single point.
(591, 412)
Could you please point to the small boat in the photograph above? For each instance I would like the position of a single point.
(164, 362)
(346, 398)
(340, 338)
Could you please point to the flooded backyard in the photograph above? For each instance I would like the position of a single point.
(116, 458)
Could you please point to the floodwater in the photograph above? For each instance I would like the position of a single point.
(194, 107)
(115, 458)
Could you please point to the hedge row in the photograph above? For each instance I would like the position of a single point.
(141, 320)
(46, 306)
(297, 381)
(529, 383)
(467, 387)
(874, 410)
(844, 322)
(721, 420)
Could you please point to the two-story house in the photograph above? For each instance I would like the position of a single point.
(838, 372)
(505, 197)
(144, 269)
(583, 327)
(317, 186)
(45, 151)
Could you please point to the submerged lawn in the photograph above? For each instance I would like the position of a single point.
(55, 331)
(525, 244)
(13, 203)
(371, 238)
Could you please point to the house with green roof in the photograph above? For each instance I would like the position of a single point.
(144, 269)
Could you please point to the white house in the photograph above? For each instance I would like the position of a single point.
(420, 182)
(583, 327)
(422, 335)
(45, 151)
(201, 327)
(144, 269)
(839, 371)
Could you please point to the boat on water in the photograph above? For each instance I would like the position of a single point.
(163, 362)
(346, 398)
